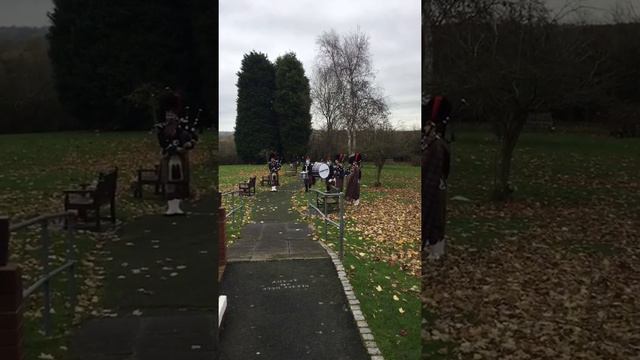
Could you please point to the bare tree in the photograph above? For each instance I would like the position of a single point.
(349, 60)
(427, 48)
(326, 97)
(513, 59)
(624, 12)
(380, 144)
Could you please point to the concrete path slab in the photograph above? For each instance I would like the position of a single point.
(162, 269)
(294, 308)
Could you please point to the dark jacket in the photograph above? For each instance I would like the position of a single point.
(435, 171)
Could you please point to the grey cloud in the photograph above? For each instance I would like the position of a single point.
(276, 27)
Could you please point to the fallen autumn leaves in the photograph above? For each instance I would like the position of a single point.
(550, 291)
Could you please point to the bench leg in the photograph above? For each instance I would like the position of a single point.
(113, 211)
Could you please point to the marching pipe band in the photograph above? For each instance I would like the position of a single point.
(332, 172)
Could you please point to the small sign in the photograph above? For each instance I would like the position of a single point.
(277, 285)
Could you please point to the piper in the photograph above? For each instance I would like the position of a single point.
(274, 167)
(353, 179)
(175, 140)
(338, 172)
(436, 157)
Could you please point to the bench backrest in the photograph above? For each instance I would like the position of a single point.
(106, 186)
(540, 119)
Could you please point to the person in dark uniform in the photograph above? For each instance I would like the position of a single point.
(306, 174)
(353, 179)
(329, 180)
(274, 168)
(435, 171)
(175, 140)
(338, 172)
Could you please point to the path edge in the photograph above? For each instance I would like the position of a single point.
(366, 336)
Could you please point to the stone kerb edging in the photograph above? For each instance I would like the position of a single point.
(365, 332)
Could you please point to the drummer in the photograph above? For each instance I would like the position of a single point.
(306, 174)
(329, 180)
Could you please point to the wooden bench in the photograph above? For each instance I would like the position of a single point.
(148, 177)
(540, 121)
(248, 188)
(93, 197)
(292, 170)
(266, 181)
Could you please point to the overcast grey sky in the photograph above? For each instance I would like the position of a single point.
(280, 26)
(25, 12)
(33, 12)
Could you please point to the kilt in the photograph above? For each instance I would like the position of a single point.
(186, 173)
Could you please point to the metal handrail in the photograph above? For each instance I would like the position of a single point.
(325, 215)
(47, 275)
(38, 219)
(234, 208)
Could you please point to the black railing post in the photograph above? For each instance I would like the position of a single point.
(71, 256)
(4, 240)
(326, 232)
(341, 206)
(46, 286)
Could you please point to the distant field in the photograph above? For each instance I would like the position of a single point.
(536, 260)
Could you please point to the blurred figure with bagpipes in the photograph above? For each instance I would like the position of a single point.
(274, 167)
(352, 194)
(436, 156)
(177, 136)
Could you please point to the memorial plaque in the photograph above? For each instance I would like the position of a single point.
(288, 284)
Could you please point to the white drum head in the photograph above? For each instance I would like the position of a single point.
(323, 171)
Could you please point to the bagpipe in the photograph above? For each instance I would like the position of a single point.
(440, 110)
(274, 167)
(185, 136)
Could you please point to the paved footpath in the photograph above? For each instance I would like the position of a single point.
(160, 282)
(285, 300)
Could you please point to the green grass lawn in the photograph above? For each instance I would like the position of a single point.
(395, 323)
(388, 294)
(229, 177)
(36, 169)
(574, 205)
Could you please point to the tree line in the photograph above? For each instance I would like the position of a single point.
(273, 107)
(28, 99)
(103, 63)
(514, 58)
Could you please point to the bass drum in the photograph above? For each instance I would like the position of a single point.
(320, 170)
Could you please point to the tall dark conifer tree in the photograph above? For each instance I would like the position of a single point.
(256, 132)
(292, 105)
(102, 50)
